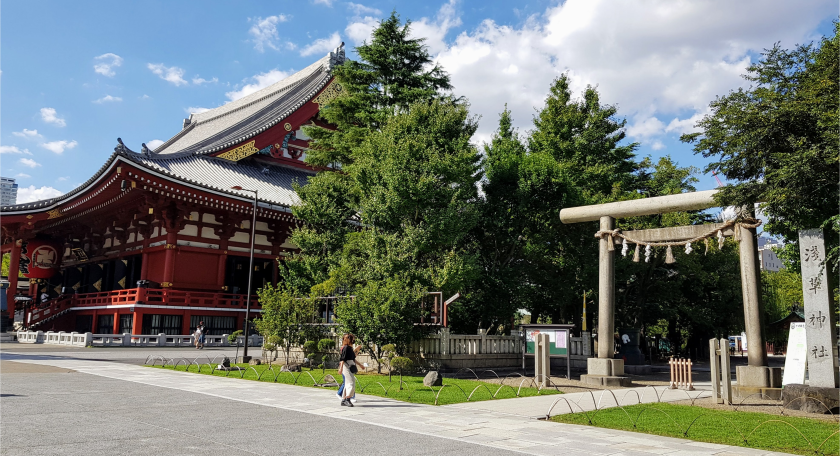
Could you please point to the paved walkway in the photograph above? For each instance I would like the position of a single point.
(498, 424)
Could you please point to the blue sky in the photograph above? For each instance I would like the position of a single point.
(77, 75)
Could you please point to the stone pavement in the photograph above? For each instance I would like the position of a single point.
(479, 423)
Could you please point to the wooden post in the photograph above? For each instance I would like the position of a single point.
(726, 375)
(714, 367)
(606, 292)
(751, 291)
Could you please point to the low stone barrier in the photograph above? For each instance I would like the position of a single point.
(129, 340)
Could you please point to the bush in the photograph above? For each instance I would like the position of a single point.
(326, 345)
(232, 337)
(309, 347)
(402, 364)
(275, 339)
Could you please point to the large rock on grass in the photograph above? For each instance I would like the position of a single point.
(433, 378)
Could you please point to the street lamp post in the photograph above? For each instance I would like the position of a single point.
(245, 357)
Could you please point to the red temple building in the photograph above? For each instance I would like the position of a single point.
(157, 240)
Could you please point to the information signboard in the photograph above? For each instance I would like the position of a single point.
(796, 356)
(559, 340)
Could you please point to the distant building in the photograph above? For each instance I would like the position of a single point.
(768, 259)
(8, 191)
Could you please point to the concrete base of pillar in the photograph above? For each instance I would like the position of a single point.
(605, 372)
(606, 380)
(758, 377)
(742, 392)
(243, 359)
(605, 367)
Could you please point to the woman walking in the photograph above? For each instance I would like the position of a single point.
(347, 367)
(340, 392)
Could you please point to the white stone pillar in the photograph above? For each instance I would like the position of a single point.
(820, 336)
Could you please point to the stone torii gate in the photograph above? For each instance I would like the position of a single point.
(607, 371)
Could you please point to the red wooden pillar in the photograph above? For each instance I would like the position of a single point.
(169, 259)
(116, 322)
(144, 265)
(185, 323)
(95, 322)
(275, 274)
(14, 266)
(220, 271)
(137, 322)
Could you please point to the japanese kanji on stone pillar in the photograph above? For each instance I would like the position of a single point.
(820, 329)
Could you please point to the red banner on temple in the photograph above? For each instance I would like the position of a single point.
(39, 259)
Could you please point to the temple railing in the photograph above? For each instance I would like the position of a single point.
(152, 296)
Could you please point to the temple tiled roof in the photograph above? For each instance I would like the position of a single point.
(184, 156)
(234, 122)
(272, 182)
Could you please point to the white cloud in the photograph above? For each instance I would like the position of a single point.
(194, 110)
(59, 146)
(107, 64)
(62, 179)
(645, 128)
(661, 63)
(324, 2)
(29, 162)
(49, 116)
(153, 144)
(198, 81)
(145, 97)
(28, 134)
(359, 9)
(657, 145)
(322, 45)
(260, 81)
(107, 99)
(32, 193)
(14, 150)
(361, 29)
(172, 74)
(22, 176)
(264, 31)
(435, 30)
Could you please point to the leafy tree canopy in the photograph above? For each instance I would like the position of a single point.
(778, 139)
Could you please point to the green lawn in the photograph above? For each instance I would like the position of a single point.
(746, 429)
(453, 391)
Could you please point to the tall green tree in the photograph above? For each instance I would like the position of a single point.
(778, 139)
(416, 180)
(393, 72)
(576, 155)
(585, 135)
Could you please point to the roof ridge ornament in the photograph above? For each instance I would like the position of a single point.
(145, 150)
(121, 147)
(336, 56)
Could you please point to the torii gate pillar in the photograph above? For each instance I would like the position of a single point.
(604, 370)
